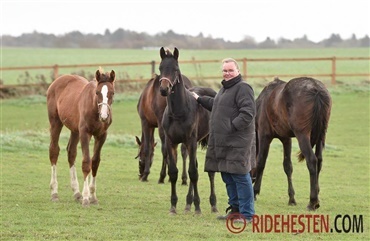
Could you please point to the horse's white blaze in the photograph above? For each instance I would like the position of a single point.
(53, 180)
(74, 180)
(104, 108)
(86, 190)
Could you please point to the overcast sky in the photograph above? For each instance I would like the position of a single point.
(228, 19)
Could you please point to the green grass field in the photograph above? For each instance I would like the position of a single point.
(132, 210)
(18, 57)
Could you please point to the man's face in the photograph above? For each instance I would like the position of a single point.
(229, 71)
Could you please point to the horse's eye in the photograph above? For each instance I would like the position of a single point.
(97, 92)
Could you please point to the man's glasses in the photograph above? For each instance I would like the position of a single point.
(228, 71)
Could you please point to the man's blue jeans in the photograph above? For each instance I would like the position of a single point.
(240, 191)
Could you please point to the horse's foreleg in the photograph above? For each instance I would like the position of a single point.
(86, 166)
(184, 155)
(99, 142)
(55, 129)
(193, 175)
(288, 168)
(263, 150)
(173, 173)
(312, 165)
(162, 174)
(72, 153)
(212, 197)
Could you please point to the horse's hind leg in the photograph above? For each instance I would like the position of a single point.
(318, 154)
(55, 128)
(194, 176)
(72, 153)
(184, 155)
(312, 165)
(288, 168)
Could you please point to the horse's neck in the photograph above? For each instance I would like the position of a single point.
(89, 96)
(178, 100)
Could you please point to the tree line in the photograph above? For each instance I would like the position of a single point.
(132, 40)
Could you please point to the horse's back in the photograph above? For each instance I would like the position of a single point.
(63, 96)
(287, 107)
(66, 85)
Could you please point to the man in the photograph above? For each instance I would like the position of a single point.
(231, 144)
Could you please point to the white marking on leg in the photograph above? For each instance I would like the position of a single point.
(74, 181)
(104, 109)
(53, 180)
(86, 192)
(93, 198)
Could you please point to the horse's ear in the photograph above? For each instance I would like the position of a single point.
(97, 75)
(176, 53)
(162, 53)
(112, 75)
(138, 140)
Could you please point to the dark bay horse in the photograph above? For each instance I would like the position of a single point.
(299, 108)
(184, 121)
(85, 109)
(150, 108)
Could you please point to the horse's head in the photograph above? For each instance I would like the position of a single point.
(169, 70)
(104, 93)
(142, 155)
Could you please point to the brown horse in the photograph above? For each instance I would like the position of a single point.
(150, 108)
(299, 108)
(184, 121)
(85, 109)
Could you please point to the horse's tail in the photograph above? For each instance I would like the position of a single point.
(319, 119)
(203, 142)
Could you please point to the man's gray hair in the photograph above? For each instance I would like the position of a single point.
(229, 60)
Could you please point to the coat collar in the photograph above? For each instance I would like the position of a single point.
(232, 82)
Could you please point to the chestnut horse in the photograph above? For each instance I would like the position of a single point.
(299, 108)
(150, 108)
(184, 121)
(85, 109)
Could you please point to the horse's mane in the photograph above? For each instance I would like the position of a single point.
(268, 89)
(168, 52)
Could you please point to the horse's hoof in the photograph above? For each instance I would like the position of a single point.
(184, 183)
(144, 180)
(187, 208)
(160, 182)
(54, 197)
(173, 211)
(313, 207)
(77, 197)
(85, 203)
(292, 203)
(198, 212)
(214, 209)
